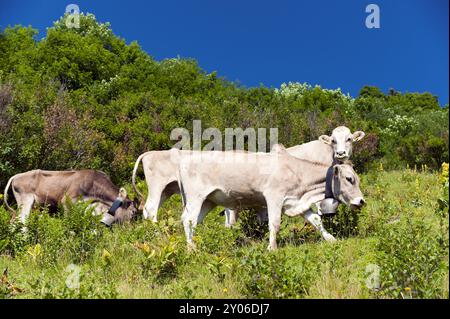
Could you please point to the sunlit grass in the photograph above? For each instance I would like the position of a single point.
(147, 260)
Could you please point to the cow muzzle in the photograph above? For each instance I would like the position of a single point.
(342, 155)
(357, 202)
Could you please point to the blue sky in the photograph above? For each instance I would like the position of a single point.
(270, 42)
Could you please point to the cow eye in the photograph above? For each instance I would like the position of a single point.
(349, 139)
(333, 141)
(349, 179)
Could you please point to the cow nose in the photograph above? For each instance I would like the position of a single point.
(340, 153)
(357, 202)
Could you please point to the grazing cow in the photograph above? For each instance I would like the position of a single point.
(55, 187)
(160, 170)
(277, 180)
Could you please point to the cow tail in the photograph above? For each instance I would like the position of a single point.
(5, 198)
(133, 177)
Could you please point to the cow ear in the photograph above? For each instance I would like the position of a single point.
(122, 193)
(358, 136)
(325, 139)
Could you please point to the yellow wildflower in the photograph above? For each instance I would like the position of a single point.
(106, 256)
(417, 185)
(380, 167)
(444, 173)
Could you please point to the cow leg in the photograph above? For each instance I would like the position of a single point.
(152, 204)
(315, 220)
(190, 217)
(231, 216)
(25, 203)
(274, 214)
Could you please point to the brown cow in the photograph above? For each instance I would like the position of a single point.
(39, 187)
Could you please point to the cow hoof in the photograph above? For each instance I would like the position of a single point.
(271, 248)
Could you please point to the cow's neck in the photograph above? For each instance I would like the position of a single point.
(106, 195)
(315, 151)
(310, 176)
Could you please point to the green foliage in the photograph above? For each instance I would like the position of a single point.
(161, 262)
(12, 239)
(83, 230)
(47, 232)
(344, 224)
(412, 261)
(219, 266)
(269, 275)
(214, 240)
(88, 287)
(74, 235)
(250, 226)
(85, 98)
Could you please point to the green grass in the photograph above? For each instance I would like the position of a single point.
(402, 231)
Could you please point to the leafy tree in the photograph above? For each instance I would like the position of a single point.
(85, 98)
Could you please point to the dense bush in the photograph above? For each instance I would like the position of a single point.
(269, 275)
(83, 98)
(12, 239)
(412, 261)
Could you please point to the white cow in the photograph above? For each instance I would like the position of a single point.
(277, 180)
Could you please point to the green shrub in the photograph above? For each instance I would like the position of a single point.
(412, 260)
(274, 275)
(160, 261)
(219, 266)
(87, 286)
(295, 231)
(82, 229)
(12, 239)
(213, 237)
(250, 226)
(48, 232)
(344, 223)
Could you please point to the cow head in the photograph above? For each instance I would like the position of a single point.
(123, 209)
(341, 140)
(345, 186)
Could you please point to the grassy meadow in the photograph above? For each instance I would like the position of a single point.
(395, 247)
